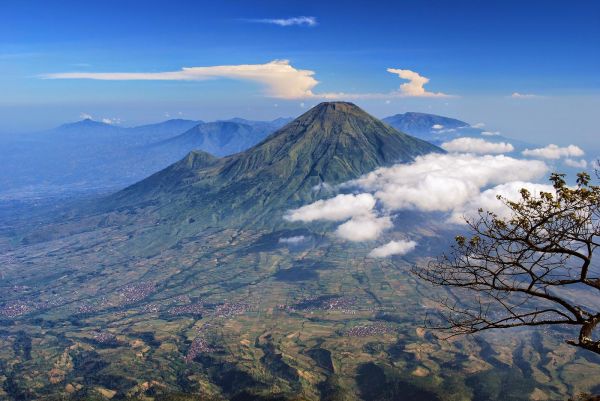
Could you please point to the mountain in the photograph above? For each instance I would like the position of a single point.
(221, 138)
(277, 123)
(438, 129)
(91, 126)
(83, 156)
(331, 143)
(423, 125)
(161, 131)
(192, 286)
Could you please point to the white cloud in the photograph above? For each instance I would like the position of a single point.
(415, 87)
(86, 116)
(111, 121)
(292, 240)
(444, 182)
(490, 133)
(476, 145)
(446, 131)
(437, 126)
(487, 200)
(339, 208)
(454, 183)
(478, 125)
(517, 95)
(554, 152)
(364, 228)
(280, 78)
(581, 163)
(393, 248)
(323, 186)
(301, 21)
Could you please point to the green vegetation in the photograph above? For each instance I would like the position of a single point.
(165, 295)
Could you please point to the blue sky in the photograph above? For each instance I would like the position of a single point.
(478, 52)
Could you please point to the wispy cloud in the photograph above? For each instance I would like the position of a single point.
(517, 95)
(280, 78)
(292, 21)
(293, 240)
(111, 121)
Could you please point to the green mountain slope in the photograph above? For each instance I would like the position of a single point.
(331, 143)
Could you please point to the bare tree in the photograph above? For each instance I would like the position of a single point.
(533, 268)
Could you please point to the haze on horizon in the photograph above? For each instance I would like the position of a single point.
(511, 66)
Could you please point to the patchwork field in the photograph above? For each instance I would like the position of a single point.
(236, 314)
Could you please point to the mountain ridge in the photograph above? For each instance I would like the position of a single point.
(332, 143)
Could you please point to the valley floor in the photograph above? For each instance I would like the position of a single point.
(116, 311)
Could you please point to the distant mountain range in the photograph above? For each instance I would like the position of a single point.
(93, 156)
(221, 138)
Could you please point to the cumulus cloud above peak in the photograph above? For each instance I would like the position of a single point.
(415, 87)
(477, 145)
(554, 152)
